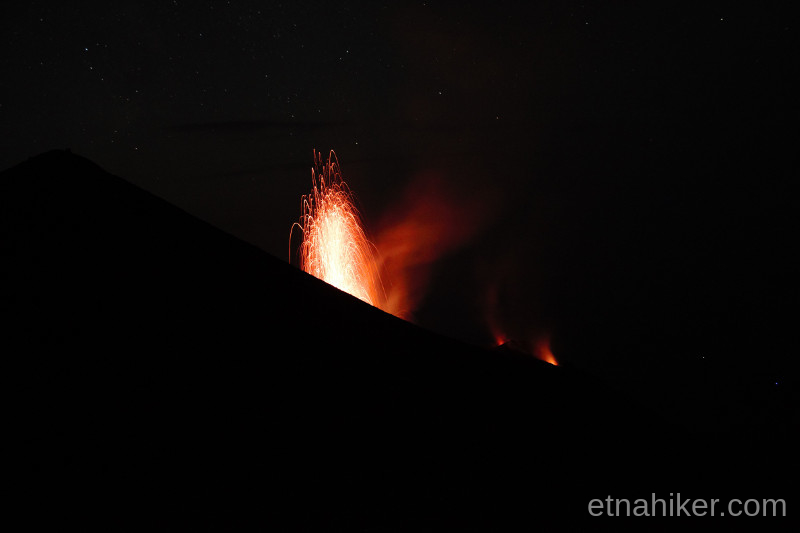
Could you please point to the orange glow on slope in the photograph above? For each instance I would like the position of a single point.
(542, 351)
(495, 329)
(499, 338)
(335, 247)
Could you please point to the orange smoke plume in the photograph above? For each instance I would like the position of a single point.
(428, 223)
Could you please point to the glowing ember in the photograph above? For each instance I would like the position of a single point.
(335, 247)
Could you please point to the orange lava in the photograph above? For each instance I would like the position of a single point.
(335, 247)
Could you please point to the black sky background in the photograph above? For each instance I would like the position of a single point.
(638, 157)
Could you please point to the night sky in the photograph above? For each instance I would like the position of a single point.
(620, 172)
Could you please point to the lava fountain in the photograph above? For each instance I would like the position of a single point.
(335, 247)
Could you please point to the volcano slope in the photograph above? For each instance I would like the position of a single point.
(170, 376)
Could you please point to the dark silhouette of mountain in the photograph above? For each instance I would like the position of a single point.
(169, 376)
